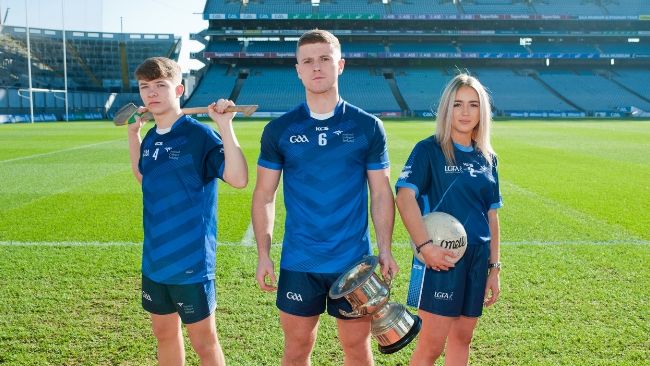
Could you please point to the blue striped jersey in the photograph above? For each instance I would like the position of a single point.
(324, 165)
(465, 190)
(179, 194)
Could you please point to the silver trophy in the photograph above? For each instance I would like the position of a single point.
(391, 324)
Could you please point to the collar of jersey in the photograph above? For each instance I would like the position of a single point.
(179, 121)
(464, 148)
(337, 110)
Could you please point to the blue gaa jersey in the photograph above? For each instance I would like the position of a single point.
(466, 190)
(325, 167)
(179, 202)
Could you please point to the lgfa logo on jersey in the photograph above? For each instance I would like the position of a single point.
(298, 139)
(452, 169)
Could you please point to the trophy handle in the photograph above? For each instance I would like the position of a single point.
(388, 280)
(354, 314)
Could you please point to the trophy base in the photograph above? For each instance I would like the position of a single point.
(412, 333)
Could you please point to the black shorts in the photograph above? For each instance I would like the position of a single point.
(461, 289)
(306, 294)
(193, 302)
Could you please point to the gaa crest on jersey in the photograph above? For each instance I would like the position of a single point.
(297, 139)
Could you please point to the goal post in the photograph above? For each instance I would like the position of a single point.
(55, 93)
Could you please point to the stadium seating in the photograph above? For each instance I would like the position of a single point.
(97, 64)
(513, 90)
(218, 82)
(637, 80)
(367, 88)
(423, 7)
(494, 7)
(421, 86)
(590, 91)
(95, 61)
(399, 55)
(275, 89)
(220, 6)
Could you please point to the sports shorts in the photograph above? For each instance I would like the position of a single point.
(461, 289)
(306, 294)
(193, 302)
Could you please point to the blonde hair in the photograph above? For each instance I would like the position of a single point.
(444, 116)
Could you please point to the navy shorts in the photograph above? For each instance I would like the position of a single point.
(306, 294)
(193, 302)
(461, 290)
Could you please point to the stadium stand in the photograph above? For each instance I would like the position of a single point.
(100, 67)
(276, 88)
(539, 58)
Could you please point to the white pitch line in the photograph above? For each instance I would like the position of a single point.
(247, 240)
(57, 151)
(66, 243)
(233, 244)
(620, 232)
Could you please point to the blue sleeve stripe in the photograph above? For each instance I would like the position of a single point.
(270, 165)
(496, 205)
(378, 166)
(411, 186)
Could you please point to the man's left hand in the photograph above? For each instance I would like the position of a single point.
(389, 267)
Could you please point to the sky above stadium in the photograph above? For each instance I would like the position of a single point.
(130, 16)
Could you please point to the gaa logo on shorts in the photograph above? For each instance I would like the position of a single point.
(298, 139)
(146, 296)
(294, 296)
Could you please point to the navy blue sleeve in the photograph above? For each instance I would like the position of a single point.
(270, 155)
(378, 150)
(416, 174)
(497, 199)
(142, 143)
(214, 158)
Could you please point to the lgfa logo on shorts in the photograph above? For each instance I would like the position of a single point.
(294, 296)
(439, 295)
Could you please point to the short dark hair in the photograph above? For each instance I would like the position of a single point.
(318, 36)
(158, 67)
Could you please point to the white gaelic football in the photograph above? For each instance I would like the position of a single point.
(446, 232)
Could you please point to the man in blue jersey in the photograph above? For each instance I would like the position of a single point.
(177, 164)
(330, 153)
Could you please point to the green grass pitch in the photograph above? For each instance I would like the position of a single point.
(575, 232)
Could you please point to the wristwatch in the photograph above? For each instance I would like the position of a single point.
(496, 265)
